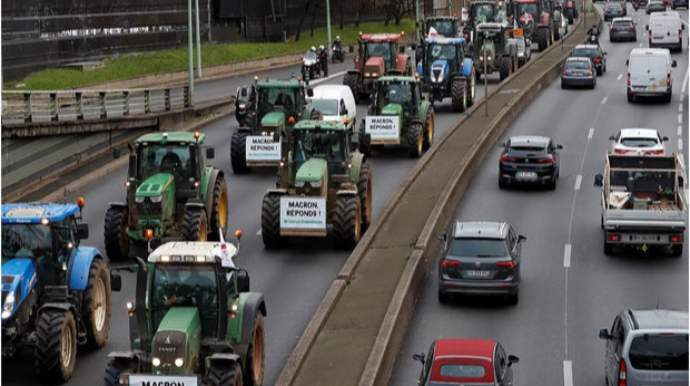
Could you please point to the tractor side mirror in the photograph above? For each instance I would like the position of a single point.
(604, 334)
(242, 281)
(674, 64)
(414, 46)
(599, 180)
(512, 359)
(132, 171)
(419, 357)
(115, 282)
(116, 153)
(310, 92)
(646, 26)
(210, 153)
(82, 231)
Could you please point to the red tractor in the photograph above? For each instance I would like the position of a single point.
(535, 18)
(377, 55)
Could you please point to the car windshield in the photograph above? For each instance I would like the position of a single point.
(577, 65)
(665, 352)
(323, 143)
(462, 371)
(25, 241)
(639, 142)
(185, 285)
(326, 106)
(443, 52)
(443, 27)
(270, 97)
(478, 248)
(585, 53)
(396, 92)
(179, 160)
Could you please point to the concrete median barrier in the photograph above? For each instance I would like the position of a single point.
(355, 336)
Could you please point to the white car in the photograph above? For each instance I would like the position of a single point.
(639, 142)
(649, 74)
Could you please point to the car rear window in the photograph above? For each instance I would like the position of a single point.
(623, 24)
(614, 6)
(639, 142)
(576, 65)
(478, 248)
(665, 352)
(527, 148)
(463, 371)
(585, 52)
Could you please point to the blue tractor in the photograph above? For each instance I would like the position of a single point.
(55, 293)
(446, 72)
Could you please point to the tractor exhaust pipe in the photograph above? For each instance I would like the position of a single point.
(140, 301)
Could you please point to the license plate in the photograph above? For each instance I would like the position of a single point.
(476, 273)
(658, 37)
(644, 238)
(526, 175)
(578, 73)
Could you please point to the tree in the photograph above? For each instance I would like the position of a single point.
(301, 19)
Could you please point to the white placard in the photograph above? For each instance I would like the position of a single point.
(303, 213)
(262, 148)
(383, 128)
(163, 380)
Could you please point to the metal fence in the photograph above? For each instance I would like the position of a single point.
(67, 105)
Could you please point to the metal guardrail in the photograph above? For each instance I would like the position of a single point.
(70, 105)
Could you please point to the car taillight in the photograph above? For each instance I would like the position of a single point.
(655, 152)
(680, 32)
(668, 79)
(631, 27)
(628, 78)
(613, 237)
(591, 71)
(623, 374)
(675, 239)
(619, 151)
(563, 70)
(597, 60)
(505, 264)
(505, 158)
(449, 263)
(614, 28)
(546, 160)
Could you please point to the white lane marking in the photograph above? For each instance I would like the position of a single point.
(567, 373)
(685, 83)
(603, 101)
(258, 233)
(680, 118)
(325, 79)
(591, 133)
(566, 255)
(681, 159)
(680, 130)
(680, 144)
(578, 182)
(620, 76)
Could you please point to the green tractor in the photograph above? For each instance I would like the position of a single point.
(398, 115)
(492, 43)
(480, 11)
(171, 195)
(193, 322)
(322, 182)
(278, 105)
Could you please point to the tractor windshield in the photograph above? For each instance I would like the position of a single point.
(382, 49)
(442, 52)
(177, 159)
(483, 13)
(489, 36)
(443, 27)
(527, 8)
(322, 144)
(25, 241)
(277, 98)
(400, 93)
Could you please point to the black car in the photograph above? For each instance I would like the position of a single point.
(623, 28)
(480, 258)
(613, 10)
(529, 159)
(244, 104)
(656, 6)
(595, 53)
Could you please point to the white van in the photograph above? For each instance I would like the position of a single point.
(649, 73)
(336, 103)
(665, 30)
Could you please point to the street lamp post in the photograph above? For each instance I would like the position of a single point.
(416, 20)
(328, 27)
(198, 39)
(486, 82)
(190, 48)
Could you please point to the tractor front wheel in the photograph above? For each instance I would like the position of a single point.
(542, 39)
(238, 153)
(195, 224)
(256, 355)
(350, 80)
(224, 374)
(270, 222)
(116, 367)
(97, 305)
(115, 233)
(429, 129)
(219, 211)
(504, 67)
(365, 191)
(347, 222)
(459, 95)
(415, 139)
(56, 345)
(364, 140)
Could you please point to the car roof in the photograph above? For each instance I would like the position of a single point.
(465, 347)
(578, 59)
(33, 213)
(329, 91)
(481, 229)
(625, 18)
(649, 51)
(659, 15)
(529, 140)
(644, 133)
(655, 319)
(613, 4)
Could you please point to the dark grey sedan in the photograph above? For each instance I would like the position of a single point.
(613, 10)
(578, 72)
(623, 28)
(480, 258)
(655, 6)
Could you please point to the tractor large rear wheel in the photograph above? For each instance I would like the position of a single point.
(97, 305)
(115, 233)
(270, 222)
(459, 95)
(569, 15)
(543, 39)
(504, 67)
(116, 367)
(364, 140)
(195, 224)
(350, 80)
(219, 210)
(429, 125)
(238, 153)
(415, 139)
(224, 374)
(347, 222)
(56, 345)
(365, 192)
(256, 355)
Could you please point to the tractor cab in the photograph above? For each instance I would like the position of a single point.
(445, 26)
(400, 96)
(277, 100)
(378, 52)
(324, 141)
(442, 58)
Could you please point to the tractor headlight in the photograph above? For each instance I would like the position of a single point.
(521, 54)
(242, 105)
(367, 74)
(179, 362)
(488, 58)
(139, 199)
(315, 184)
(299, 184)
(156, 361)
(8, 307)
(156, 199)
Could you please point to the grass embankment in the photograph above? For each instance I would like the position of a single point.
(176, 59)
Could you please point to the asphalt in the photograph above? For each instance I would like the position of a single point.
(293, 280)
(555, 326)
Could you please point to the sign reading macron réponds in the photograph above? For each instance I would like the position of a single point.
(262, 149)
(303, 213)
(163, 380)
(383, 129)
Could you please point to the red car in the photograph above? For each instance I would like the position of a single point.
(466, 361)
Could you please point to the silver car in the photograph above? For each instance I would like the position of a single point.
(578, 72)
(647, 347)
(524, 49)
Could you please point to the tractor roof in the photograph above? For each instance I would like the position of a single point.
(33, 213)
(322, 125)
(282, 83)
(189, 252)
(174, 136)
(443, 41)
(398, 79)
(484, 2)
(380, 37)
(441, 18)
(490, 26)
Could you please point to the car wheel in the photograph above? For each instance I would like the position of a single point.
(552, 184)
(513, 299)
(600, 71)
(608, 249)
(502, 183)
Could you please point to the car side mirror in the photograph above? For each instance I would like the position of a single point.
(646, 26)
(310, 92)
(559, 147)
(82, 231)
(604, 334)
(242, 281)
(115, 282)
(682, 26)
(627, 62)
(512, 359)
(599, 180)
(442, 236)
(604, 53)
(419, 357)
(116, 153)
(210, 153)
(522, 238)
(664, 139)
(502, 144)
(612, 138)
(674, 64)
